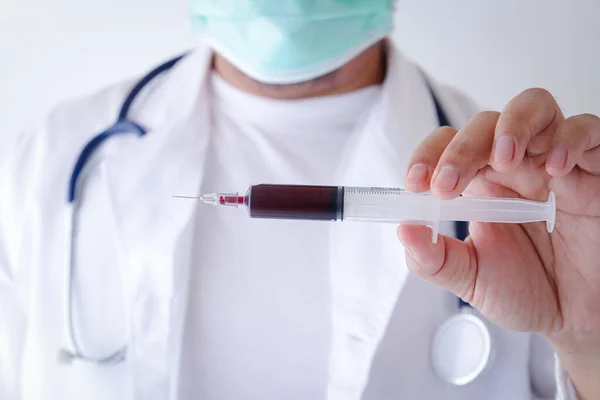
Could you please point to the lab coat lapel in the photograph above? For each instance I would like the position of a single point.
(145, 174)
(368, 268)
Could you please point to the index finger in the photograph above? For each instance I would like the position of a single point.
(528, 121)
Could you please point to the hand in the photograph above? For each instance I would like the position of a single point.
(518, 275)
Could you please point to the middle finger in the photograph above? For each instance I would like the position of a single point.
(466, 154)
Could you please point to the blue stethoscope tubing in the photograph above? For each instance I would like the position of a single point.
(122, 126)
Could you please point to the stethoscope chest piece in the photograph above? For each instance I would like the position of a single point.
(462, 349)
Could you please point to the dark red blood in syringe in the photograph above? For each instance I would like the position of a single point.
(232, 200)
(324, 203)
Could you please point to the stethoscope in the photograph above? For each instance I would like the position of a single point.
(122, 126)
(461, 350)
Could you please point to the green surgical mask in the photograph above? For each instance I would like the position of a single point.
(291, 41)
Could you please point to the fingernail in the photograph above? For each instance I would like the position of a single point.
(417, 173)
(558, 158)
(447, 179)
(504, 149)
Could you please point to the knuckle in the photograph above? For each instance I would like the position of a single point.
(445, 131)
(537, 94)
(485, 117)
(578, 125)
(460, 150)
(518, 120)
(519, 123)
(489, 115)
(585, 120)
(439, 139)
(471, 143)
(443, 136)
(529, 112)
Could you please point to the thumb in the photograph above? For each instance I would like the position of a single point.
(449, 263)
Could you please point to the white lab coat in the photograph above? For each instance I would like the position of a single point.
(134, 248)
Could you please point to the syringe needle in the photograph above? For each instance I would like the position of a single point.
(206, 199)
(216, 199)
(210, 198)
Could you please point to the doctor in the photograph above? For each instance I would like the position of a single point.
(112, 289)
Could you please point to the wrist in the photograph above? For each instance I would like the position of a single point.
(580, 358)
(585, 348)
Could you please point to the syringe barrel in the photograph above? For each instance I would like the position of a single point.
(388, 205)
(330, 203)
(315, 203)
(396, 205)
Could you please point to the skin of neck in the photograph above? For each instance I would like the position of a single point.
(366, 69)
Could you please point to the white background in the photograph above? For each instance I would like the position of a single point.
(51, 50)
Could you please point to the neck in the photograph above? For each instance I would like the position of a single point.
(367, 69)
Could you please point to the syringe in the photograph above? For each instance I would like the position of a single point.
(383, 205)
